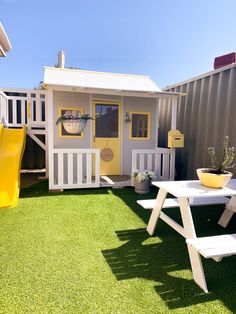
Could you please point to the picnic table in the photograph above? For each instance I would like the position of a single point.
(188, 194)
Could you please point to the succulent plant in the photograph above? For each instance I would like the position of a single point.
(76, 116)
(143, 175)
(226, 162)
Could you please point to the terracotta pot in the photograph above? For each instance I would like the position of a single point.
(212, 180)
(142, 187)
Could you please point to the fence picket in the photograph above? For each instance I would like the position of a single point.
(79, 168)
(149, 163)
(88, 168)
(70, 169)
(141, 161)
(166, 164)
(157, 166)
(14, 112)
(60, 169)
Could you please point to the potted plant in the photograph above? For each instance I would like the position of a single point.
(142, 180)
(218, 175)
(73, 122)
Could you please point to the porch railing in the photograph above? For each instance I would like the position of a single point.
(18, 107)
(74, 168)
(159, 160)
(3, 107)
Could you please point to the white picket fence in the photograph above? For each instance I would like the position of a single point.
(23, 107)
(159, 160)
(74, 168)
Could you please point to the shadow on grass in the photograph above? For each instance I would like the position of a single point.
(157, 261)
(205, 217)
(41, 189)
(166, 263)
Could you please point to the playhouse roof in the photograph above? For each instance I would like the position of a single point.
(5, 44)
(90, 81)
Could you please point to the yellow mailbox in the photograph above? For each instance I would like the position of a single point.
(175, 139)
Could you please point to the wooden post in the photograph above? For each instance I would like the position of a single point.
(157, 122)
(50, 128)
(173, 127)
(174, 114)
(46, 136)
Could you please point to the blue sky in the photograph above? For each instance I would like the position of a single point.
(169, 40)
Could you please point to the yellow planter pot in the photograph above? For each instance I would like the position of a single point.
(212, 180)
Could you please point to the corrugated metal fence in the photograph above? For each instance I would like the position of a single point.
(205, 115)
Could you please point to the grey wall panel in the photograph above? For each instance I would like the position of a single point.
(135, 104)
(205, 115)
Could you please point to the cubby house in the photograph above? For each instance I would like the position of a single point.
(122, 135)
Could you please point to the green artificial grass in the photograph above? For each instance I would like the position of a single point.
(87, 251)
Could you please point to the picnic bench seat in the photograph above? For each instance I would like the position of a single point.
(215, 247)
(173, 202)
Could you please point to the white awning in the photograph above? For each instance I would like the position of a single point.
(5, 44)
(103, 82)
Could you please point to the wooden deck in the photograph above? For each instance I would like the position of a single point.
(116, 182)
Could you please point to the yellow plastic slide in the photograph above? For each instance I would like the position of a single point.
(12, 145)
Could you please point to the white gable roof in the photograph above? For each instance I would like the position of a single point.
(100, 80)
(5, 44)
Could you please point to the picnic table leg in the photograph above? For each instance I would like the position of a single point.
(161, 196)
(189, 233)
(230, 209)
(197, 268)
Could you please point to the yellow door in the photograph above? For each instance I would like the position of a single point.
(106, 135)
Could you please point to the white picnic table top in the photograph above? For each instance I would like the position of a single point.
(194, 188)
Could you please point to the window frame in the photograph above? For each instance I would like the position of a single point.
(60, 109)
(148, 126)
(107, 103)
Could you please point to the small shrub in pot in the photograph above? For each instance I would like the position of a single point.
(142, 180)
(217, 176)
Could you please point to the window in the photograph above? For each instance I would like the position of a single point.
(140, 125)
(107, 120)
(69, 124)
